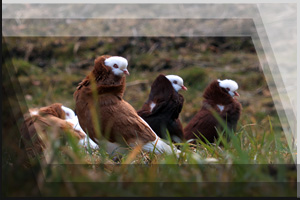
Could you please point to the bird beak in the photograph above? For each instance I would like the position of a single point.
(236, 94)
(126, 72)
(184, 88)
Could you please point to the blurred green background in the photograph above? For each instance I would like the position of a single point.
(49, 69)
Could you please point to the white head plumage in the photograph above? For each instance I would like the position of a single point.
(230, 85)
(117, 64)
(177, 82)
(70, 114)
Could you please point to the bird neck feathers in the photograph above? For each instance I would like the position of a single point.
(106, 81)
(100, 70)
(117, 89)
(216, 95)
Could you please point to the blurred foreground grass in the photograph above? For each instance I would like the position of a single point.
(253, 163)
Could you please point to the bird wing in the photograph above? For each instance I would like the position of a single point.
(178, 104)
(84, 82)
(175, 129)
(126, 124)
(83, 105)
(65, 126)
(203, 122)
(231, 114)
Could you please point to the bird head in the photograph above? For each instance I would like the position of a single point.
(117, 64)
(229, 86)
(176, 82)
(70, 114)
(54, 110)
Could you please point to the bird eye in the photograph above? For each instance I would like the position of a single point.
(175, 82)
(116, 66)
(227, 89)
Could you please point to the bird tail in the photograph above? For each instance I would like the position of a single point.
(158, 146)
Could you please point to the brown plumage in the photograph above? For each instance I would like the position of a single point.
(161, 110)
(222, 101)
(118, 120)
(41, 124)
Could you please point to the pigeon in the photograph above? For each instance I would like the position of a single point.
(219, 97)
(161, 110)
(43, 123)
(104, 114)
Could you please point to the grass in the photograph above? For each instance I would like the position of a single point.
(235, 164)
(253, 163)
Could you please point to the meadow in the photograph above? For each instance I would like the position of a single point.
(39, 71)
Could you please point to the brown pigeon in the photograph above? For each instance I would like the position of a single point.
(46, 122)
(103, 113)
(219, 96)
